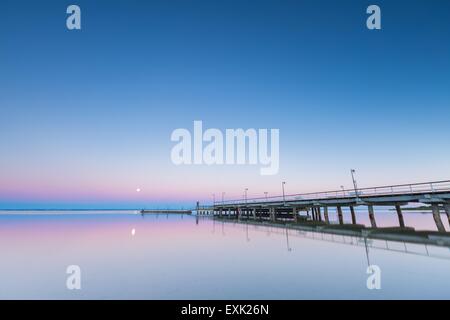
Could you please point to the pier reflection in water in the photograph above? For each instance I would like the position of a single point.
(127, 255)
(405, 245)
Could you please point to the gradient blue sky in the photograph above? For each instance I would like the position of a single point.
(86, 116)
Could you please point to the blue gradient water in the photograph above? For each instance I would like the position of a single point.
(181, 257)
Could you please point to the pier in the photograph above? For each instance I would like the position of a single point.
(313, 208)
(165, 211)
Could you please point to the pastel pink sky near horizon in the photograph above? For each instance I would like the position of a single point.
(105, 180)
(180, 187)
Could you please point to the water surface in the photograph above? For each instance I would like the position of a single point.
(123, 255)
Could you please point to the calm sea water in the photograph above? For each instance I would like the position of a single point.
(123, 255)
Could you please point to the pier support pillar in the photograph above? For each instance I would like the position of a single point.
(313, 213)
(373, 223)
(319, 214)
(401, 221)
(254, 213)
(340, 216)
(272, 214)
(294, 212)
(352, 210)
(325, 214)
(437, 218)
(447, 211)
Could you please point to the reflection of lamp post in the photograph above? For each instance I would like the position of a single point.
(352, 171)
(282, 186)
(287, 241)
(343, 190)
(245, 195)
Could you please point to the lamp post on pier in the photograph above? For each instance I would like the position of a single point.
(353, 171)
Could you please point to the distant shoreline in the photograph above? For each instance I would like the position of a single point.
(70, 209)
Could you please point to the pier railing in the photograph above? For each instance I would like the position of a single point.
(400, 189)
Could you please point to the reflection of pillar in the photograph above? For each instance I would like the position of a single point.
(325, 214)
(340, 216)
(400, 216)
(437, 218)
(447, 211)
(373, 223)
(352, 210)
(294, 212)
